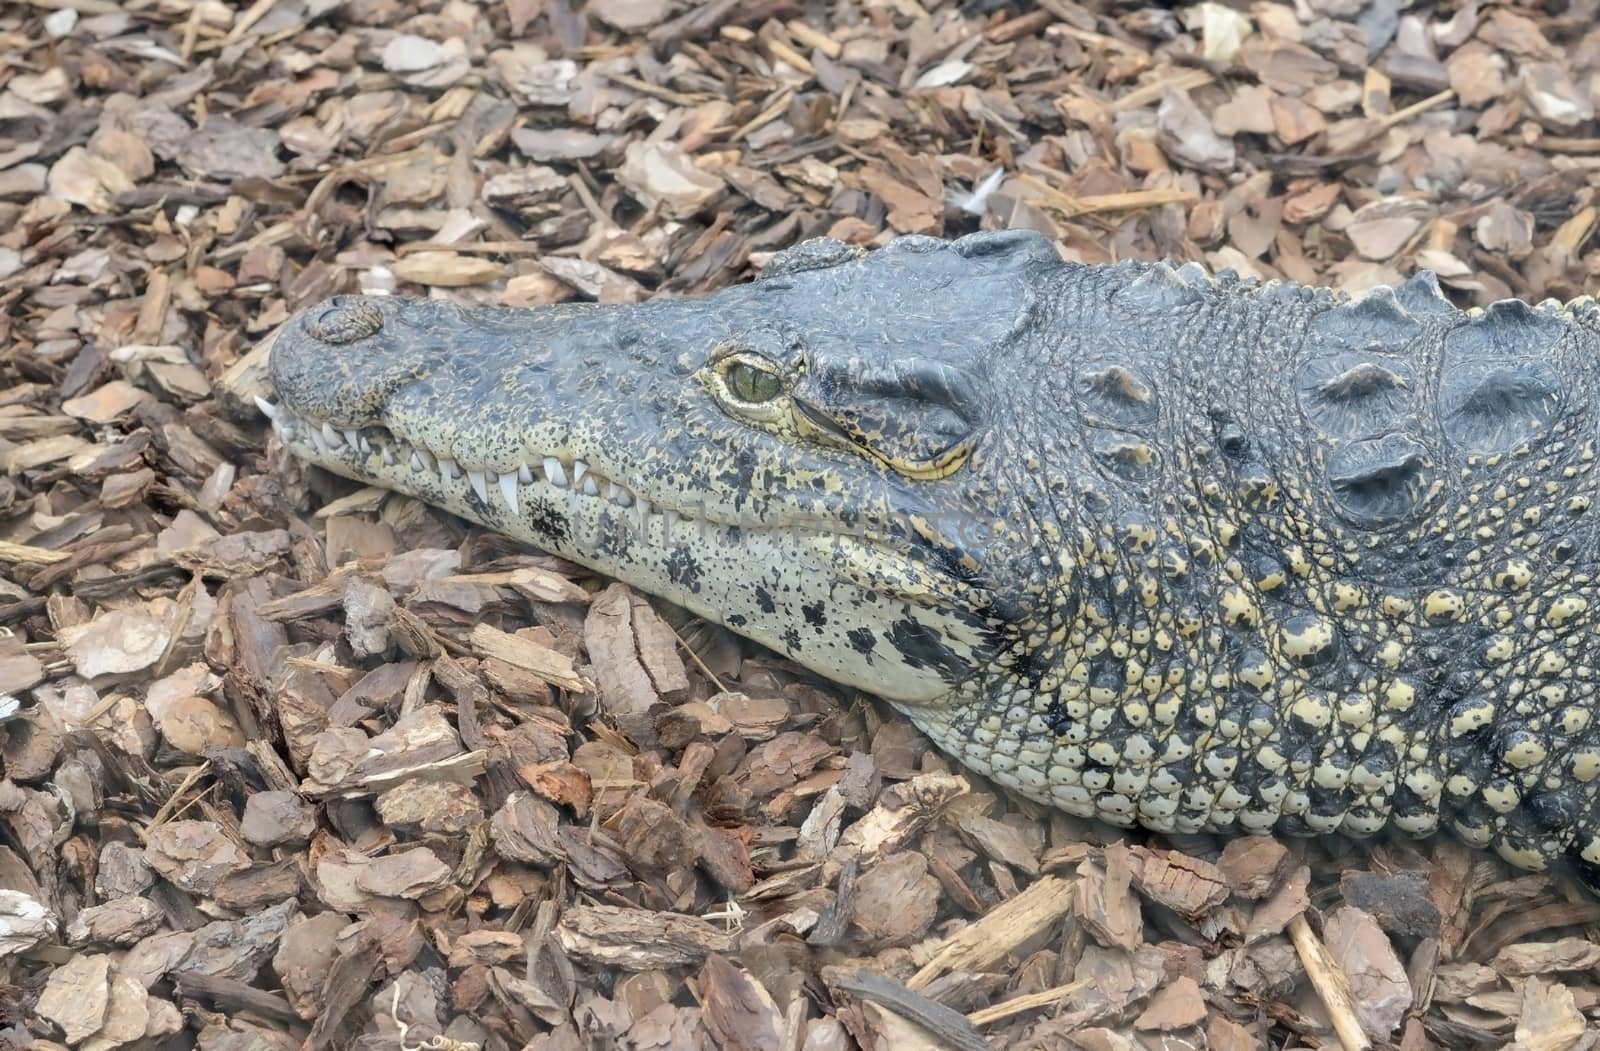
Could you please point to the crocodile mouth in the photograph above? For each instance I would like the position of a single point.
(374, 452)
(584, 495)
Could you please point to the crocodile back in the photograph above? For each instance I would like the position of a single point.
(1320, 564)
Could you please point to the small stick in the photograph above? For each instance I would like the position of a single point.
(1331, 984)
(696, 658)
(1017, 1005)
(257, 11)
(191, 33)
(590, 205)
(1402, 115)
(783, 52)
(815, 39)
(766, 116)
(44, 556)
(1140, 96)
(1568, 144)
(655, 91)
(473, 247)
(172, 801)
(1106, 202)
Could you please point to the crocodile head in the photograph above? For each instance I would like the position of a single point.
(818, 459)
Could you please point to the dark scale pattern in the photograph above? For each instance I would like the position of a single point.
(1142, 543)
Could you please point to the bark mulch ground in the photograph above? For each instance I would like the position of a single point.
(294, 764)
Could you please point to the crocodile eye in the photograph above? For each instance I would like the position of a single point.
(752, 385)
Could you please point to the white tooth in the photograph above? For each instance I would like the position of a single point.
(590, 486)
(334, 441)
(579, 469)
(479, 485)
(508, 489)
(428, 462)
(554, 471)
(416, 461)
(388, 456)
(524, 474)
(355, 440)
(321, 443)
(619, 494)
(269, 410)
(646, 507)
(447, 468)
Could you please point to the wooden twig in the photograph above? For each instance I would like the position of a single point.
(696, 658)
(43, 556)
(473, 247)
(1030, 1002)
(172, 803)
(1331, 984)
(1400, 116)
(1105, 202)
(1140, 97)
(1005, 927)
(1569, 144)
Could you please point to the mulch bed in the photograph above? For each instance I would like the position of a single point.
(294, 764)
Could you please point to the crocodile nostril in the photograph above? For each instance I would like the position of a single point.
(345, 321)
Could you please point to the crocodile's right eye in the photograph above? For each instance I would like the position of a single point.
(749, 386)
(752, 385)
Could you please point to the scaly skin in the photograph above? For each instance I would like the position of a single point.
(1145, 545)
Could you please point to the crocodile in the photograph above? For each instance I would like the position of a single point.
(1144, 543)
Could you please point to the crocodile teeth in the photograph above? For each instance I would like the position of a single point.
(555, 472)
(321, 443)
(508, 489)
(331, 436)
(479, 485)
(447, 468)
(416, 461)
(354, 439)
(620, 495)
(646, 507)
(524, 475)
(590, 486)
(579, 469)
(389, 459)
(269, 410)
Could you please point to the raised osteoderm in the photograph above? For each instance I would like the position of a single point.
(1150, 546)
